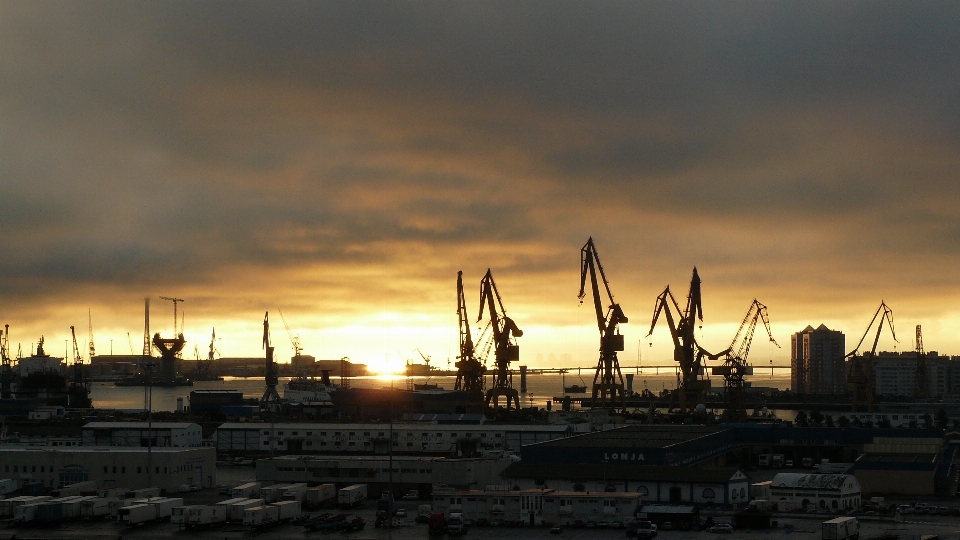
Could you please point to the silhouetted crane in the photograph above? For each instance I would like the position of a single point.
(270, 399)
(735, 365)
(921, 390)
(505, 347)
(860, 367)
(608, 380)
(691, 388)
(469, 370)
(78, 393)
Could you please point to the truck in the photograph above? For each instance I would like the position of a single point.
(841, 528)
(351, 496)
(271, 494)
(318, 496)
(250, 489)
(437, 524)
(205, 515)
(137, 514)
(261, 516)
(646, 529)
(776, 461)
(237, 509)
(288, 510)
(455, 524)
(8, 507)
(294, 492)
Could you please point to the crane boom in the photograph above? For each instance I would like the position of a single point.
(469, 370)
(608, 379)
(735, 365)
(860, 367)
(505, 347)
(294, 340)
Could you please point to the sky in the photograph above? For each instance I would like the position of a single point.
(341, 161)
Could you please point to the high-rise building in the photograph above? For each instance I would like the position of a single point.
(816, 361)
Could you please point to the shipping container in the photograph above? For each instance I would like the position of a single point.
(294, 492)
(137, 514)
(352, 495)
(317, 496)
(261, 516)
(8, 507)
(272, 494)
(288, 510)
(841, 528)
(237, 509)
(251, 489)
(201, 516)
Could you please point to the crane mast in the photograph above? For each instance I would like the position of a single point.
(92, 349)
(469, 370)
(860, 367)
(735, 365)
(78, 393)
(921, 390)
(691, 387)
(6, 368)
(608, 379)
(270, 399)
(505, 347)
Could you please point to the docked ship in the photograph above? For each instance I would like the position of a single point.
(304, 389)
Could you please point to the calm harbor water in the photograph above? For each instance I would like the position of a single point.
(540, 388)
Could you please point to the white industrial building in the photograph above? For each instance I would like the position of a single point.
(408, 437)
(825, 491)
(538, 506)
(164, 434)
(134, 468)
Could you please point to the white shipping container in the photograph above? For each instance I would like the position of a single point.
(237, 509)
(8, 507)
(260, 516)
(206, 515)
(250, 489)
(294, 492)
(352, 495)
(288, 510)
(26, 512)
(272, 494)
(137, 514)
(318, 495)
(165, 505)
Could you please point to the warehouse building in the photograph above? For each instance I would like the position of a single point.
(409, 472)
(135, 468)
(538, 506)
(163, 434)
(408, 438)
(651, 483)
(823, 491)
(896, 466)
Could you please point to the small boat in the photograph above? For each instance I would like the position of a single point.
(420, 387)
(575, 389)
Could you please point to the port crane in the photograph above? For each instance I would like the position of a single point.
(294, 339)
(6, 368)
(608, 379)
(270, 399)
(735, 365)
(691, 387)
(78, 393)
(860, 367)
(505, 347)
(921, 390)
(92, 349)
(470, 371)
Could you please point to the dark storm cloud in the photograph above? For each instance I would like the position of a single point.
(203, 142)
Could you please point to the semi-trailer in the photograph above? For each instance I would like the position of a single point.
(181, 515)
(79, 488)
(26, 512)
(272, 494)
(288, 510)
(225, 506)
(294, 492)
(237, 509)
(319, 495)
(143, 493)
(352, 495)
(261, 516)
(96, 508)
(137, 514)
(8, 507)
(205, 515)
(165, 505)
(250, 489)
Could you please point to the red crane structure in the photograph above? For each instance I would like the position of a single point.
(860, 367)
(505, 346)
(735, 365)
(608, 380)
(691, 386)
(469, 370)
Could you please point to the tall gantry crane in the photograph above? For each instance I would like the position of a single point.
(470, 371)
(92, 349)
(78, 393)
(270, 399)
(608, 380)
(735, 365)
(691, 387)
(6, 367)
(505, 347)
(294, 339)
(175, 302)
(921, 390)
(860, 367)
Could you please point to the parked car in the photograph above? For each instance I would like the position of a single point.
(578, 523)
(401, 513)
(556, 529)
(722, 528)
